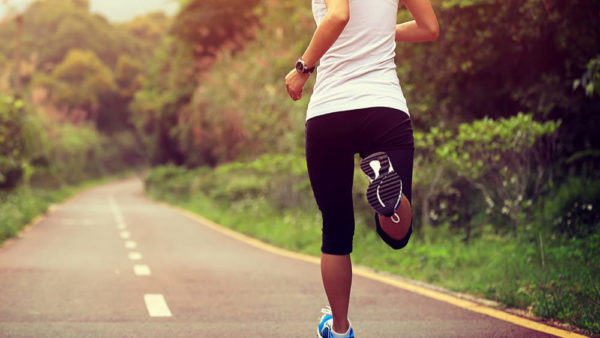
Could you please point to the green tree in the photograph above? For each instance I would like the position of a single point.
(169, 83)
(113, 113)
(210, 25)
(52, 28)
(164, 108)
(148, 29)
(128, 75)
(85, 4)
(495, 58)
(79, 81)
(243, 91)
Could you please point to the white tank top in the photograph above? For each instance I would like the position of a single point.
(358, 71)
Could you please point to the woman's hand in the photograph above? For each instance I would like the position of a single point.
(294, 83)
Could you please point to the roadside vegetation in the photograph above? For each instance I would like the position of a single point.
(505, 109)
(535, 268)
(66, 79)
(44, 161)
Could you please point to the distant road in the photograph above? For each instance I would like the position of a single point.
(110, 263)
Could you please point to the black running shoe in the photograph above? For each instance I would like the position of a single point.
(385, 191)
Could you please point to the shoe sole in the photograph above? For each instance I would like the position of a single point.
(385, 193)
(384, 165)
(385, 190)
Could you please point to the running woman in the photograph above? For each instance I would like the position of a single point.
(357, 106)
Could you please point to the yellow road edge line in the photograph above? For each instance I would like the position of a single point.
(437, 295)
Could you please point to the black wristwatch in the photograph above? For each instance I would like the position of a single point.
(301, 67)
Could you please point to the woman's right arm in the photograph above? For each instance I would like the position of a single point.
(424, 27)
(330, 28)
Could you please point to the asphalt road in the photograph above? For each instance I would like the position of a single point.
(110, 263)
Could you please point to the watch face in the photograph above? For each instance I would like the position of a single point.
(299, 67)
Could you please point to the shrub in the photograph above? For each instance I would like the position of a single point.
(507, 161)
(12, 142)
(572, 208)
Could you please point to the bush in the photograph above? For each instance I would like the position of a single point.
(499, 165)
(17, 209)
(572, 208)
(12, 141)
(170, 181)
(44, 153)
(280, 179)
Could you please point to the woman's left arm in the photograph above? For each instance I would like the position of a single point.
(332, 25)
(424, 27)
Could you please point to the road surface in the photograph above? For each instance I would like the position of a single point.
(110, 263)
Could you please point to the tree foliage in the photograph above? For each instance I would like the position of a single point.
(80, 81)
(147, 31)
(495, 58)
(168, 87)
(165, 107)
(41, 152)
(211, 25)
(52, 28)
(63, 34)
(75, 67)
(247, 96)
(590, 80)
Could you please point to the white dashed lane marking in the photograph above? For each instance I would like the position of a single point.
(130, 244)
(86, 222)
(156, 305)
(115, 209)
(141, 270)
(135, 256)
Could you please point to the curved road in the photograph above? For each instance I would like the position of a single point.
(109, 263)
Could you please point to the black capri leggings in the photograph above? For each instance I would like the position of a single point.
(331, 142)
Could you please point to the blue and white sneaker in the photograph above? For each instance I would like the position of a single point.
(385, 190)
(324, 330)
